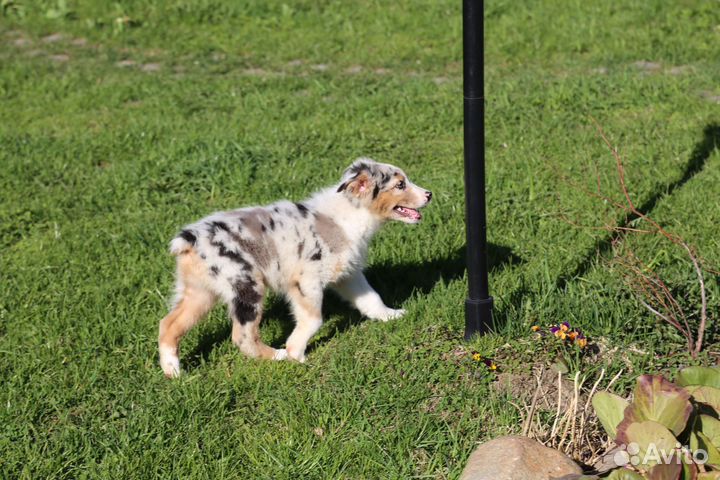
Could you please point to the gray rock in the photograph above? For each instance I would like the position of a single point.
(517, 458)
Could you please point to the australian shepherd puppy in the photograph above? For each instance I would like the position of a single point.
(297, 249)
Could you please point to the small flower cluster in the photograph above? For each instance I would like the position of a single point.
(565, 332)
(489, 363)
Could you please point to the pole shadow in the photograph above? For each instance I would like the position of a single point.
(695, 164)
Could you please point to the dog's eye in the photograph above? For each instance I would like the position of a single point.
(400, 185)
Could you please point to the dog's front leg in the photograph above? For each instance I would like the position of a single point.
(306, 302)
(356, 290)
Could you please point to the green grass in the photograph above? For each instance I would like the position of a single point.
(145, 116)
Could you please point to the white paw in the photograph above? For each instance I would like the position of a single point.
(390, 314)
(280, 354)
(170, 363)
(298, 357)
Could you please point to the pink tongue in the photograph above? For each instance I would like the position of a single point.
(414, 214)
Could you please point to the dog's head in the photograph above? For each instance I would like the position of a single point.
(385, 190)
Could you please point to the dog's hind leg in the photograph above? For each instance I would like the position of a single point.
(306, 303)
(245, 311)
(193, 303)
(191, 307)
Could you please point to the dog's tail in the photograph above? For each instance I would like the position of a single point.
(183, 242)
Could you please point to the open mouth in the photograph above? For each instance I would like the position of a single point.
(409, 213)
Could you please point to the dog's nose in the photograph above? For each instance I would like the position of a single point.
(428, 195)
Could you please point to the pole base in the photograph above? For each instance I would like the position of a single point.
(478, 316)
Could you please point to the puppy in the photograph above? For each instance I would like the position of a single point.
(297, 249)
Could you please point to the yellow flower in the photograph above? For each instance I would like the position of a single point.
(560, 334)
(492, 366)
(581, 342)
(535, 328)
(477, 357)
(572, 335)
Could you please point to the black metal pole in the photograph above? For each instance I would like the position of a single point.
(478, 306)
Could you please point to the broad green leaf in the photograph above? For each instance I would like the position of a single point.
(666, 471)
(708, 395)
(709, 476)
(624, 474)
(690, 471)
(694, 441)
(654, 440)
(710, 427)
(661, 401)
(610, 409)
(709, 377)
(704, 443)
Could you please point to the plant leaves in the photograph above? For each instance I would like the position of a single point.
(654, 440)
(624, 474)
(708, 395)
(661, 401)
(690, 471)
(702, 442)
(707, 376)
(577, 476)
(709, 476)
(666, 471)
(610, 409)
(710, 427)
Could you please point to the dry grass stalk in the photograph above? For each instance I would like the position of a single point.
(575, 429)
(652, 291)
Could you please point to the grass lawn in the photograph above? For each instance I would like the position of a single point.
(121, 122)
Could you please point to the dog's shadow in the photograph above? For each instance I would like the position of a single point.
(394, 282)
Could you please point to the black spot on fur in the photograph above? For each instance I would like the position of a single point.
(214, 270)
(234, 256)
(276, 210)
(302, 209)
(244, 304)
(297, 285)
(317, 251)
(263, 228)
(356, 169)
(376, 191)
(223, 251)
(243, 312)
(342, 187)
(219, 226)
(203, 256)
(188, 236)
(385, 179)
(272, 224)
(301, 246)
(245, 290)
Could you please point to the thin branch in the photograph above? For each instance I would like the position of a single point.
(652, 286)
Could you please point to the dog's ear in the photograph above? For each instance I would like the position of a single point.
(358, 178)
(359, 185)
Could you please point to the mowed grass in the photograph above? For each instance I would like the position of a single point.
(121, 123)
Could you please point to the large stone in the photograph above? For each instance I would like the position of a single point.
(517, 458)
